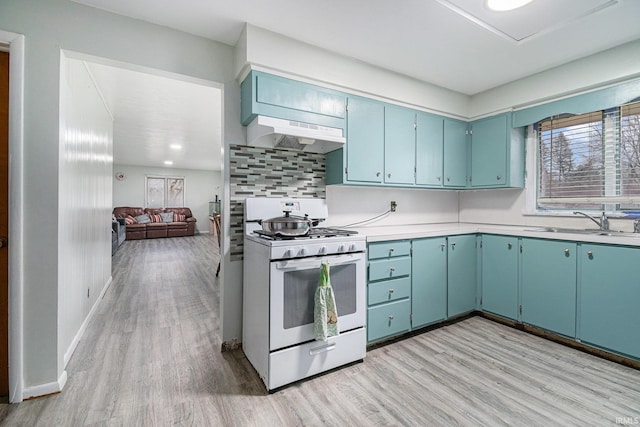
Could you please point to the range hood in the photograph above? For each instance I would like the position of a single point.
(270, 132)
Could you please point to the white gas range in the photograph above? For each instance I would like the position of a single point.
(280, 279)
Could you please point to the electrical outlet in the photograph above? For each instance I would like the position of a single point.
(394, 205)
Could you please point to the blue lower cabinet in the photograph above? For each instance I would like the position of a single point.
(389, 290)
(500, 275)
(388, 319)
(429, 281)
(462, 286)
(380, 269)
(549, 285)
(609, 298)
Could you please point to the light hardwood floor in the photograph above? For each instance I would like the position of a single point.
(151, 356)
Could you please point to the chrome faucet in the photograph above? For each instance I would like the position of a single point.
(636, 226)
(603, 223)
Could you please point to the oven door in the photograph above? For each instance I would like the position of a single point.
(293, 287)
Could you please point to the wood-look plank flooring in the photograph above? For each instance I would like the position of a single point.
(151, 356)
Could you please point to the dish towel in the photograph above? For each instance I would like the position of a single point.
(325, 315)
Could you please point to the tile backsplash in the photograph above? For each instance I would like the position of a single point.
(262, 172)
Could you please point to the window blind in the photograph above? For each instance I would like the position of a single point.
(590, 160)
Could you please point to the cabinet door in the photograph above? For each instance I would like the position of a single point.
(399, 145)
(429, 154)
(429, 281)
(549, 285)
(455, 153)
(500, 275)
(489, 152)
(462, 277)
(365, 140)
(610, 297)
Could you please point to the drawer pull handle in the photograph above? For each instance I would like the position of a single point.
(509, 245)
(391, 249)
(392, 269)
(498, 177)
(322, 349)
(590, 254)
(391, 291)
(390, 317)
(566, 252)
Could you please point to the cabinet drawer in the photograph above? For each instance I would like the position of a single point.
(389, 290)
(389, 249)
(388, 319)
(389, 268)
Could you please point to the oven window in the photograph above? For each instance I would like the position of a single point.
(300, 288)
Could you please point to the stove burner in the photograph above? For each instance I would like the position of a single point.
(313, 233)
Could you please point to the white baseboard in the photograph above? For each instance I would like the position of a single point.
(78, 337)
(45, 389)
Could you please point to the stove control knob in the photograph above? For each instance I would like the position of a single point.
(288, 253)
(302, 252)
(322, 250)
(341, 248)
(352, 247)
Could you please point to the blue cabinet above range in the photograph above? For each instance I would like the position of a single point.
(274, 96)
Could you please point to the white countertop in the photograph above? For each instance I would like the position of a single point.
(417, 231)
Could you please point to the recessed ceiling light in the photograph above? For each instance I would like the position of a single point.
(506, 5)
(168, 162)
(175, 147)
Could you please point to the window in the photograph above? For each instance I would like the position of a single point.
(163, 192)
(590, 161)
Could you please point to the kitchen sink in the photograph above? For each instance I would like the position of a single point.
(589, 231)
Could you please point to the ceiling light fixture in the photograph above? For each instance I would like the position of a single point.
(506, 5)
(175, 147)
(168, 162)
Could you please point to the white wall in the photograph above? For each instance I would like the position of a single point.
(49, 26)
(274, 52)
(350, 204)
(84, 209)
(201, 188)
(613, 65)
(508, 206)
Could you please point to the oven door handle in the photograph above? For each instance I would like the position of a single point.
(316, 262)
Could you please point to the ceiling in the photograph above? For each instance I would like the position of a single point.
(456, 44)
(151, 113)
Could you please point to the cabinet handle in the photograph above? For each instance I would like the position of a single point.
(590, 254)
(442, 245)
(391, 291)
(509, 245)
(392, 269)
(388, 175)
(438, 178)
(453, 244)
(566, 251)
(498, 177)
(390, 317)
(448, 178)
(377, 173)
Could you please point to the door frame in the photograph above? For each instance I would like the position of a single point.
(16, 44)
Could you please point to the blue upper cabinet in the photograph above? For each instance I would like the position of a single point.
(497, 153)
(455, 153)
(365, 141)
(399, 145)
(274, 96)
(429, 154)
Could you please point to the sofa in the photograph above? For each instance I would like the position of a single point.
(151, 223)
